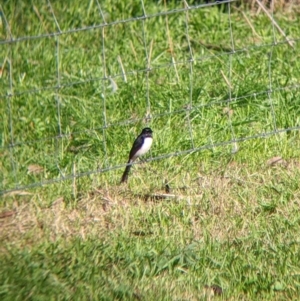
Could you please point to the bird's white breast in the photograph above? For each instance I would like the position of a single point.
(145, 147)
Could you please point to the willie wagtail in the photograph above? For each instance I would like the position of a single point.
(140, 146)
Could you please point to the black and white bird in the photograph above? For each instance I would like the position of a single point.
(140, 146)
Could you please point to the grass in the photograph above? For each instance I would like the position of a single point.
(231, 219)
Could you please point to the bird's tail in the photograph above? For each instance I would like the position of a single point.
(125, 174)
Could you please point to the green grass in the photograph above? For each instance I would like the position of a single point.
(231, 219)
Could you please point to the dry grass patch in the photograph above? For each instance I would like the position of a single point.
(227, 204)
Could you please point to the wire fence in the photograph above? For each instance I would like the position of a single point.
(39, 89)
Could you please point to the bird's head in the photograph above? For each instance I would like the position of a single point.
(147, 132)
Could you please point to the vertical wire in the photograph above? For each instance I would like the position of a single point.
(101, 11)
(148, 66)
(105, 78)
(10, 118)
(10, 96)
(106, 163)
(235, 146)
(59, 137)
(270, 56)
(191, 77)
(106, 160)
(7, 27)
(53, 15)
